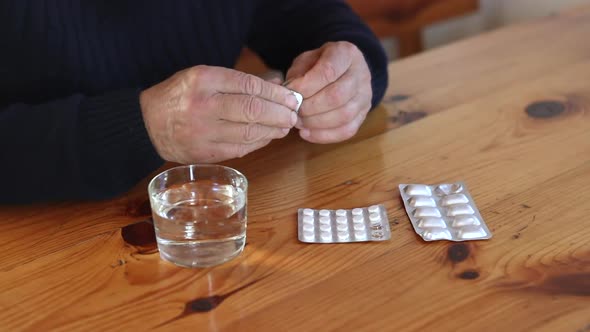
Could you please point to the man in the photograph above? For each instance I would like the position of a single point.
(95, 95)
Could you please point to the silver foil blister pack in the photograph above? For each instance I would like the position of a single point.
(342, 226)
(443, 212)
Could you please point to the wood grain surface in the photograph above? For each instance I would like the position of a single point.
(507, 112)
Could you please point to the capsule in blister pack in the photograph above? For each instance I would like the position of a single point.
(341, 226)
(443, 212)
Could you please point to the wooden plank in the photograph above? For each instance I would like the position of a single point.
(30, 232)
(469, 69)
(533, 275)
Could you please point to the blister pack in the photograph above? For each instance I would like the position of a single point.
(341, 226)
(443, 212)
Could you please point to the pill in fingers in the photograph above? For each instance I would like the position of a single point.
(297, 95)
(299, 98)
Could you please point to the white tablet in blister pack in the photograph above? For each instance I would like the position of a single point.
(341, 226)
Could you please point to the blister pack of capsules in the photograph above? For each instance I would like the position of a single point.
(341, 226)
(443, 212)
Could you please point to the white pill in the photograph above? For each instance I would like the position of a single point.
(375, 218)
(308, 235)
(308, 220)
(341, 213)
(341, 220)
(471, 232)
(418, 190)
(308, 212)
(419, 201)
(432, 222)
(358, 219)
(359, 227)
(326, 236)
(360, 235)
(343, 235)
(459, 209)
(454, 199)
(308, 227)
(325, 227)
(426, 212)
(299, 98)
(460, 221)
(324, 220)
(437, 234)
(325, 213)
(374, 209)
(342, 227)
(357, 212)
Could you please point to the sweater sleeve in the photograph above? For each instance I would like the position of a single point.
(77, 147)
(284, 29)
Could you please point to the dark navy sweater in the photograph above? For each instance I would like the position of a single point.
(71, 73)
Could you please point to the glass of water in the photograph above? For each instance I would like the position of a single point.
(199, 214)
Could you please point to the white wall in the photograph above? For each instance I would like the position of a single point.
(492, 14)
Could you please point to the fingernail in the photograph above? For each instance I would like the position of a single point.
(304, 133)
(286, 131)
(294, 119)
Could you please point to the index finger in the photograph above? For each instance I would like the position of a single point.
(231, 81)
(252, 109)
(330, 66)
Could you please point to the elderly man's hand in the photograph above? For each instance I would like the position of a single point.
(210, 114)
(335, 82)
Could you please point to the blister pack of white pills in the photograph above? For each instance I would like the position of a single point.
(443, 212)
(342, 226)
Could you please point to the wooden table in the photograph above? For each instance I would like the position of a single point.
(508, 112)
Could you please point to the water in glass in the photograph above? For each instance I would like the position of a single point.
(200, 223)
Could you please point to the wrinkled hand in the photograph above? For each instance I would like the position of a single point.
(335, 82)
(210, 114)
